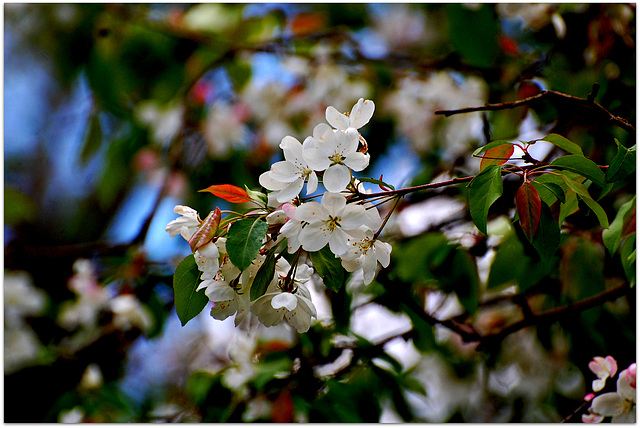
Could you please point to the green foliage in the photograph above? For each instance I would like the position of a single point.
(329, 268)
(474, 34)
(564, 144)
(547, 237)
(623, 164)
(484, 190)
(612, 236)
(188, 302)
(264, 276)
(244, 241)
(583, 166)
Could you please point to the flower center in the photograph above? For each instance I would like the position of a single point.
(336, 159)
(332, 223)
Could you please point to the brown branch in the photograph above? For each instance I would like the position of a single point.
(552, 95)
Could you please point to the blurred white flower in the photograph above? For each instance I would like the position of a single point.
(186, 225)
(129, 313)
(224, 129)
(21, 298)
(165, 121)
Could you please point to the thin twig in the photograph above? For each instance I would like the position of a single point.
(553, 95)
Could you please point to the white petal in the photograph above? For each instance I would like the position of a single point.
(299, 320)
(361, 113)
(624, 385)
(303, 273)
(311, 212)
(291, 191)
(313, 238)
(224, 309)
(316, 158)
(609, 404)
(284, 171)
(220, 291)
(383, 252)
(373, 218)
(277, 217)
(338, 242)
(321, 132)
(292, 149)
(284, 300)
(306, 304)
(357, 161)
(336, 119)
(352, 265)
(353, 216)
(312, 185)
(369, 267)
(267, 181)
(336, 178)
(333, 203)
(346, 142)
(265, 312)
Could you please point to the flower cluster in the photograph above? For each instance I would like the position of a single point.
(620, 405)
(347, 225)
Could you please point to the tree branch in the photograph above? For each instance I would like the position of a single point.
(606, 115)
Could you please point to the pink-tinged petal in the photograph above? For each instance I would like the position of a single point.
(612, 365)
(337, 119)
(336, 178)
(284, 300)
(321, 132)
(317, 158)
(357, 161)
(311, 212)
(333, 203)
(383, 252)
(291, 191)
(353, 216)
(609, 404)
(267, 181)
(313, 238)
(346, 142)
(289, 209)
(361, 113)
(338, 242)
(223, 309)
(592, 418)
(312, 185)
(284, 171)
(589, 397)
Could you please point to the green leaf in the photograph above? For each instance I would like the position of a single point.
(583, 193)
(484, 190)
(329, 268)
(628, 257)
(187, 301)
(612, 236)
(564, 144)
(93, 139)
(496, 156)
(583, 166)
(491, 145)
(549, 192)
(623, 164)
(244, 241)
(264, 276)
(547, 238)
(528, 205)
(239, 72)
(380, 183)
(569, 207)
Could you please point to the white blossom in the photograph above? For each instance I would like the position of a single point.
(329, 222)
(603, 368)
(621, 405)
(186, 225)
(365, 252)
(294, 306)
(288, 177)
(360, 115)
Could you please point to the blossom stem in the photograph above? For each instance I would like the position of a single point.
(407, 190)
(386, 218)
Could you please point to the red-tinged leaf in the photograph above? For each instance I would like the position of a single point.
(496, 156)
(206, 231)
(529, 206)
(228, 192)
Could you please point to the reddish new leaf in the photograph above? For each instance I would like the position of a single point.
(529, 206)
(206, 231)
(228, 192)
(496, 156)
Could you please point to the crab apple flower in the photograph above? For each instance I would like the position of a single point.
(335, 153)
(207, 259)
(329, 222)
(287, 177)
(295, 306)
(603, 368)
(365, 252)
(621, 404)
(228, 294)
(360, 115)
(185, 225)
